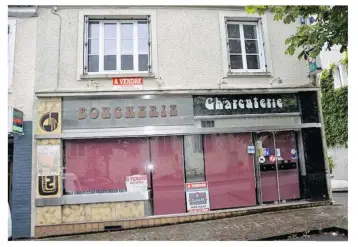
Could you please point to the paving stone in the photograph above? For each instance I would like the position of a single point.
(250, 227)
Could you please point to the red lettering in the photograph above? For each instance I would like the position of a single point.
(118, 112)
(105, 113)
(153, 111)
(94, 113)
(141, 112)
(130, 113)
(81, 113)
(173, 110)
(163, 113)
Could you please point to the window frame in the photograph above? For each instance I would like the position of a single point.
(260, 42)
(118, 22)
(11, 51)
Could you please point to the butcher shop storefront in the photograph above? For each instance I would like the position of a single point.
(133, 157)
(266, 153)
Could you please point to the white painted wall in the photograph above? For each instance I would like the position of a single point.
(21, 95)
(188, 50)
(340, 157)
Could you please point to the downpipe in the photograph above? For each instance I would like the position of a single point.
(54, 11)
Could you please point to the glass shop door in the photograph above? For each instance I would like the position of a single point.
(277, 167)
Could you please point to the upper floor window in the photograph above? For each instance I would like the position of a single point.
(117, 46)
(245, 51)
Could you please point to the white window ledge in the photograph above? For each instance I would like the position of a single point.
(244, 74)
(107, 76)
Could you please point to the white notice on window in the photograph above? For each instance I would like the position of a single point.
(48, 160)
(136, 183)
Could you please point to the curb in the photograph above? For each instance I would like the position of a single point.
(300, 234)
(340, 190)
(185, 218)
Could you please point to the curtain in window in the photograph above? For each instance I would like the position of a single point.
(102, 165)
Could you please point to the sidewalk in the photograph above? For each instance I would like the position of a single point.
(250, 227)
(339, 185)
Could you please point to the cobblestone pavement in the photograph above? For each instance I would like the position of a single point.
(250, 227)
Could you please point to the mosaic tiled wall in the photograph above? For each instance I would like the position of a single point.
(96, 212)
(49, 182)
(49, 116)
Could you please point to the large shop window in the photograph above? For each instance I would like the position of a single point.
(229, 170)
(97, 166)
(102, 166)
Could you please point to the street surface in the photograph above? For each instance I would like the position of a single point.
(250, 227)
(341, 198)
(323, 237)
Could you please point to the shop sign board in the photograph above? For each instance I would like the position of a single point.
(197, 197)
(245, 104)
(15, 121)
(48, 160)
(93, 113)
(129, 82)
(136, 183)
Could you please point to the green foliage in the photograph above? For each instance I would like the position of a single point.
(335, 110)
(331, 163)
(344, 60)
(330, 27)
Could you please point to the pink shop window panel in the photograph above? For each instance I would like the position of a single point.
(289, 179)
(229, 170)
(102, 165)
(168, 175)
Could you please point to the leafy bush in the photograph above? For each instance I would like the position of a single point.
(335, 110)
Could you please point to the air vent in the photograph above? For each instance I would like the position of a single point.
(113, 228)
(207, 124)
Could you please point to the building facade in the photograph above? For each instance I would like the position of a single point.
(147, 111)
(22, 26)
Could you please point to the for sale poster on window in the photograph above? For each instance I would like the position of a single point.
(48, 160)
(136, 183)
(197, 197)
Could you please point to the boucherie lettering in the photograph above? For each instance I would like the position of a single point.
(245, 104)
(128, 112)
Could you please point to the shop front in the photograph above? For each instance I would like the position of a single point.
(150, 155)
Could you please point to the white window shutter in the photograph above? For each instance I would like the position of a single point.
(11, 50)
(336, 78)
(343, 74)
